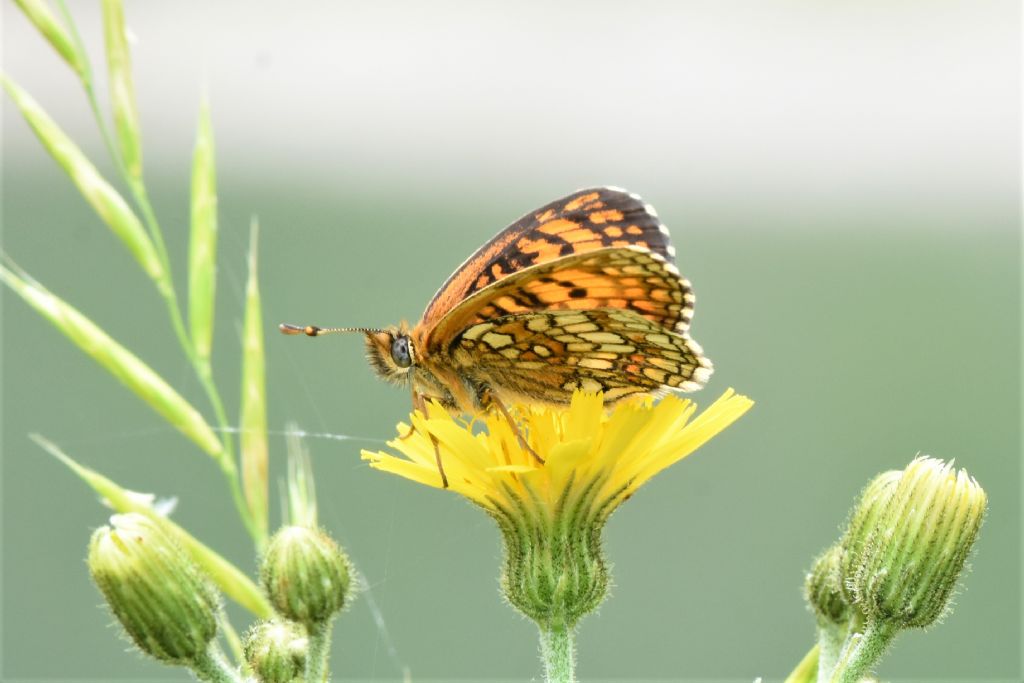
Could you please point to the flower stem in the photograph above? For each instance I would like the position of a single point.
(230, 636)
(213, 667)
(319, 649)
(807, 670)
(830, 643)
(558, 653)
(861, 652)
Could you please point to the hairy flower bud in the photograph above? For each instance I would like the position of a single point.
(161, 598)
(823, 589)
(863, 522)
(306, 575)
(276, 651)
(902, 565)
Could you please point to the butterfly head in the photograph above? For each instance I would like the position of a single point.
(391, 353)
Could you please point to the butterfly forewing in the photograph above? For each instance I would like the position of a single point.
(586, 220)
(628, 278)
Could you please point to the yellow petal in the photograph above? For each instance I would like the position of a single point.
(591, 457)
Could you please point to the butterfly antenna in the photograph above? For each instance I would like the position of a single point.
(314, 331)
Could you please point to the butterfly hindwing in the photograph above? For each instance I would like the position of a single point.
(586, 220)
(546, 356)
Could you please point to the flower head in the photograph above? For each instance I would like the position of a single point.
(551, 509)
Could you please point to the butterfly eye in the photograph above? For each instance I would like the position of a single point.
(401, 352)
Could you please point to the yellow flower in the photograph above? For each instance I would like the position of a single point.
(551, 510)
(588, 453)
(552, 494)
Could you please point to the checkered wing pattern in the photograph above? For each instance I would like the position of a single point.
(546, 356)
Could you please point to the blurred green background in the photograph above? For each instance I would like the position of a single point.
(843, 198)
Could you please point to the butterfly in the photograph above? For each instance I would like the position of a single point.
(581, 294)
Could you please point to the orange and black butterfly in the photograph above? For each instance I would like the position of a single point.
(580, 294)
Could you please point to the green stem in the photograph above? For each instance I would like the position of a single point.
(205, 376)
(202, 368)
(807, 670)
(230, 636)
(101, 124)
(227, 466)
(557, 651)
(138, 189)
(213, 667)
(319, 651)
(861, 652)
(87, 84)
(226, 459)
(830, 644)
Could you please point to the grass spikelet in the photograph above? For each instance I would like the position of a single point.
(122, 89)
(202, 273)
(253, 419)
(227, 576)
(103, 198)
(38, 12)
(118, 361)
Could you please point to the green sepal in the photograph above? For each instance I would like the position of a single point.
(555, 571)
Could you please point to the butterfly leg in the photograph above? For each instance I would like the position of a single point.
(419, 402)
(437, 456)
(488, 398)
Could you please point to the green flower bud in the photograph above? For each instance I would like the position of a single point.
(276, 651)
(164, 603)
(823, 589)
(862, 525)
(824, 594)
(306, 575)
(902, 567)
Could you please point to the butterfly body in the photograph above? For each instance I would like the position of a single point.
(580, 294)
